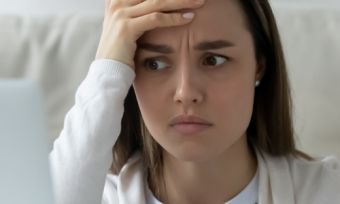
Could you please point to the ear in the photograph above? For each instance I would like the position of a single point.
(260, 69)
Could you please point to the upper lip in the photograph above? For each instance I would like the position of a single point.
(189, 119)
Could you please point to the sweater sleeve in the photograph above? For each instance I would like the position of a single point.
(82, 154)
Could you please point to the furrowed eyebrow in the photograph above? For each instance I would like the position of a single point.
(165, 49)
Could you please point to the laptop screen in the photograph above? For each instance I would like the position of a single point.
(24, 171)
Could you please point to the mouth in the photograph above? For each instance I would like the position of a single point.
(189, 124)
(190, 128)
(189, 119)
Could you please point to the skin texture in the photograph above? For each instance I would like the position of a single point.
(214, 165)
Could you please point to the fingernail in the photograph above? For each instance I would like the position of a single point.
(189, 15)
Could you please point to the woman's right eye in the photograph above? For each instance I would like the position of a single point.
(154, 64)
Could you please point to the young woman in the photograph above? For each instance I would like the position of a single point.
(187, 110)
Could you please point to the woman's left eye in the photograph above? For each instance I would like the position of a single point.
(215, 59)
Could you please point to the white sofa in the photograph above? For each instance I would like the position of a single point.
(56, 51)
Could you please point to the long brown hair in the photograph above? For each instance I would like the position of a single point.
(271, 127)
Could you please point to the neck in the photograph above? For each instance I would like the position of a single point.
(215, 181)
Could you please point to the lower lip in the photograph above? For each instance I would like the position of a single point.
(190, 128)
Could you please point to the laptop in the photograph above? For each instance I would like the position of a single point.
(24, 167)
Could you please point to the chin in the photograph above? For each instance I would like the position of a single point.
(192, 153)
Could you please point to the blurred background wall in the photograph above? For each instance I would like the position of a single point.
(42, 7)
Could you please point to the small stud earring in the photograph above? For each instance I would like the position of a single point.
(257, 83)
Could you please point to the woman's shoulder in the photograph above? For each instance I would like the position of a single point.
(128, 184)
(316, 180)
(134, 165)
(312, 181)
(319, 167)
(319, 178)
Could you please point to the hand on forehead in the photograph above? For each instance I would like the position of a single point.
(216, 18)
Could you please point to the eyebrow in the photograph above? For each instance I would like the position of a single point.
(206, 45)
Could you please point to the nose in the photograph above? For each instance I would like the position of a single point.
(188, 86)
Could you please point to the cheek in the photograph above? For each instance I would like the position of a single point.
(151, 104)
(234, 107)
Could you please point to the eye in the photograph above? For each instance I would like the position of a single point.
(154, 64)
(215, 59)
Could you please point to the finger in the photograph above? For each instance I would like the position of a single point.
(157, 20)
(151, 6)
(129, 3)
(121, 3)
(112, 5)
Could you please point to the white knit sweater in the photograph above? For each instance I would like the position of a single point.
(82, 155)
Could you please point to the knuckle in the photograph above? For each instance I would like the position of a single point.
(117, 6)
(156, 17)
(119, 13)
(114, 5)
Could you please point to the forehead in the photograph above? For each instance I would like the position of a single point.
(216, 19)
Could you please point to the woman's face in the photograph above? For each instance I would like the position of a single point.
(213, 81)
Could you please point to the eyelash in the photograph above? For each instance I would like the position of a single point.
(153, 59)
